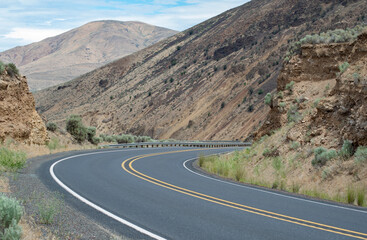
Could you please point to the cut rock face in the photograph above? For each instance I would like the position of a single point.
(18, 117)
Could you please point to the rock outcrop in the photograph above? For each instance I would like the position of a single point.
(18, 117)
(330, 104)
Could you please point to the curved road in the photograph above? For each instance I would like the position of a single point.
(155, 192)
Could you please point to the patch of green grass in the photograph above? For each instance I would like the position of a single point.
(361, 193)
(53, 144)
(277, 164)
(12, 160)
(351, 195)
(295, 187)
(48, 208)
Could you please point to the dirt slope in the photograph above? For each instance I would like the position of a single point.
(18, 117)
(205, 83)
(61, 58)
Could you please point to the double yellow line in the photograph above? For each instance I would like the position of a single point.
(127, 166)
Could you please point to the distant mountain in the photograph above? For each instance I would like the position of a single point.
(61, 58)
(207, 82)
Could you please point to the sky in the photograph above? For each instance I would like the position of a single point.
(27, 21)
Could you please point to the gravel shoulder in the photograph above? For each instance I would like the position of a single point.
(35, 188)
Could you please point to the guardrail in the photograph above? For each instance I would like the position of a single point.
(206, 144)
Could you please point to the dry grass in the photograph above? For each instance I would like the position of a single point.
(292, 170)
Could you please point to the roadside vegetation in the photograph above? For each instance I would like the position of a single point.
(10, 214)
(263, 165)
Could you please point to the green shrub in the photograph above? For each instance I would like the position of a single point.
(13, 232)
(110, 139)
(10, 209)
(75, 127)
(91, 133)
(343, 67)
(12, 160)
(96, 140)
(51, 126)
(334, 36)
(289, 86)
(347, 149)
(250, 108)
(260, 91)
(323, 155)
(2, 67)
(12, 69)
(268, 99)
(360, 155)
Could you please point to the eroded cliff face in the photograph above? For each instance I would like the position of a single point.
(18, 117)
(326, 105)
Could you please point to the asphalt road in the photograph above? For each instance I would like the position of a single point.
(157, 195)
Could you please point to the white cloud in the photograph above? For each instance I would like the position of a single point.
(28, 35)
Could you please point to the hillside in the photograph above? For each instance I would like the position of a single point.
(18, 117)
(207, 82)
(314, 140)
(61, 58)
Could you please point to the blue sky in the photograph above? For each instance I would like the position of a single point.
(27, 21)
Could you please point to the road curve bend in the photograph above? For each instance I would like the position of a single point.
(154, 192)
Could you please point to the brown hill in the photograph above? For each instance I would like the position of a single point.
(61, 58)
(18, 117)
(205, 83)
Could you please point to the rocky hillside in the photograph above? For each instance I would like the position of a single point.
(314, 139)
(18, 117)
(61, 58)
(207, 82)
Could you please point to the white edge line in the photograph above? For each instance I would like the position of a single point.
(96, 207)
(269, 192)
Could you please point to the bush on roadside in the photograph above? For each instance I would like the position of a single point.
(51, 126)
(13, 232)
(75, 127)
(91, 133)
(10, 212)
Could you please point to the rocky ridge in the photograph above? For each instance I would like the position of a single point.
(61, 58)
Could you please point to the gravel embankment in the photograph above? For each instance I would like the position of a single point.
(34, 187)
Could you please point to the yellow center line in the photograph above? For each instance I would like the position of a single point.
(229, 203)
